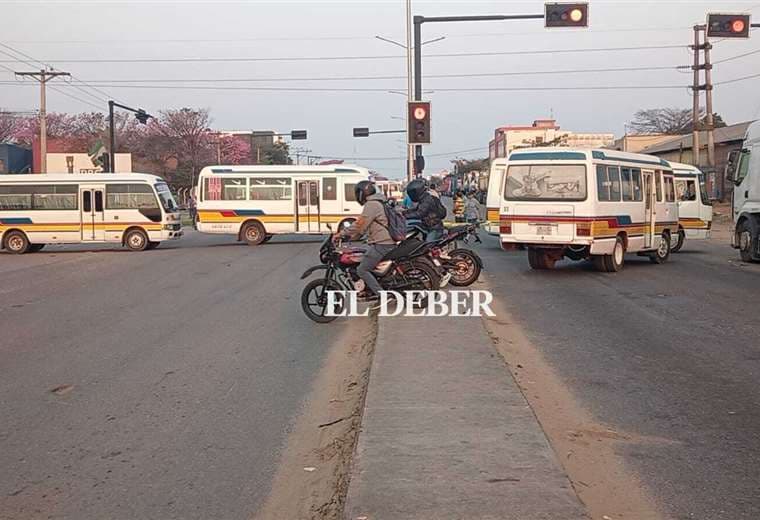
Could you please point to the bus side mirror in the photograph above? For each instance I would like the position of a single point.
(733, 162)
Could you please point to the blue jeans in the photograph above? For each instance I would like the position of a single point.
(372, 257)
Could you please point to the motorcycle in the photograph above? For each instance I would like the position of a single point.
(464, 265)
(407, 267)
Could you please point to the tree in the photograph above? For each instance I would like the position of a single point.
(465, 166)
(278, 154)
(669, 121)
(8, 124)
(188, 129)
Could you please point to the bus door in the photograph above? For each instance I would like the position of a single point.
(649, 213)
(91, 202)
(307, 207)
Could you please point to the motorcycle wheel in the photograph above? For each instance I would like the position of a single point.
(428, 279)
(465, 267)
(314, 300)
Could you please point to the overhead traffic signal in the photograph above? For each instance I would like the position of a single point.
(361, 132)
(142, 116)
(298, 134)
(728, 25)
(566, 15)
(419, 122)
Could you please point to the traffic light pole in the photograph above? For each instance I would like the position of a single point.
(418, 21)
(112, 132)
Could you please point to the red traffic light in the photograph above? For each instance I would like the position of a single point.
(418, 131)
(566, 15)
(728, 25)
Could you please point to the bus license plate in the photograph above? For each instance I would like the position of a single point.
(543, 230)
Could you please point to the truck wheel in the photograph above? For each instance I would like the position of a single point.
(748, 241)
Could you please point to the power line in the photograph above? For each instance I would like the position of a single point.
(738, 56)
(736, 80)
(366, 57)
(380, 78)
(399, 158)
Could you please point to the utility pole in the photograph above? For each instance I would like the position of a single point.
(695, 91)
(709, 123)
(409, 87)
(43, 77)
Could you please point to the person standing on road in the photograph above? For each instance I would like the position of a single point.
(429, 211)
(193, 208)
(471, 209)
(374, 223)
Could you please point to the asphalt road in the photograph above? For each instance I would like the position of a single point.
(670, 353)
(179, 373)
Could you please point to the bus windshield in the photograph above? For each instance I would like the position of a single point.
(703, 190)
(165, 196)
(546, 182)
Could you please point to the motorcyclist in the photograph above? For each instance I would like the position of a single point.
(374, 223)
(428, 210)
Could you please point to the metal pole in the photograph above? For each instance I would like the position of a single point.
(409, 88)
(43, 123)
(418, 20)
(112, 137)
(695, 108)
(710, 123)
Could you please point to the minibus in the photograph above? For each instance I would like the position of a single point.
(494, 195)
(695, 211)
(253, 203)
(587, 204)
(133, 209)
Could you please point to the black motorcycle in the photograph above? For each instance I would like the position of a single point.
(407, 267)
(464, 265)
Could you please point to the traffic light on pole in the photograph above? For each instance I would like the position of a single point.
(728, 25)
(566, 15)
(142, 116)
(419, 122)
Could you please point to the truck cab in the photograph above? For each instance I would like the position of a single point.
(744, 171)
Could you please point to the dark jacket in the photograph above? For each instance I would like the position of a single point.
(426, 212)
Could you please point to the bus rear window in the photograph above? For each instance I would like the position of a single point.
(546, 182)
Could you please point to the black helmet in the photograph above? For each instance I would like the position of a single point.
(364, 189)
(415, 189)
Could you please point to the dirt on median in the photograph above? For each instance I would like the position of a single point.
(314, 471)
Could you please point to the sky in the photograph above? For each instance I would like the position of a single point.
(316, 33)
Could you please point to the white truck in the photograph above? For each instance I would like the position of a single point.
(744, 171)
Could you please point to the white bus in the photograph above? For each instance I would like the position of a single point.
(494, 195)
(391, 189)
(695, 212)
(255, 202)
(133, 209)
(597, 204)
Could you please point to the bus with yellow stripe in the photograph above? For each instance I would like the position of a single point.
(695, 212)
(132, 209)
(587, 204)
(253, 203)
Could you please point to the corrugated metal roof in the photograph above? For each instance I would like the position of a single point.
(722, 135)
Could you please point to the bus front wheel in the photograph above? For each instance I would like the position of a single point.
(136, 240)
(16, 242)
(254, 233)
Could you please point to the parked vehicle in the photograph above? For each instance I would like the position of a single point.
(405, 268)
(744, 171)
(253, 203)
(494, 195)
(463, 265)
(587, 204)
(132, 209)
(695, 211)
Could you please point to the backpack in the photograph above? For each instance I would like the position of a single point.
(396, 223)
(439, 209)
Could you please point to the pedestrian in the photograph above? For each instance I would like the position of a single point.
(193, 208)
(472, 209)
(458, 207)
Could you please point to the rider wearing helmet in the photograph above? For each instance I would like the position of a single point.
(374, 223)
(429, 210)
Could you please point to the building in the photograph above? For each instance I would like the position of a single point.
(679, 149)
(15, 159)
(543, 132)
(634, 143)
(80, 162)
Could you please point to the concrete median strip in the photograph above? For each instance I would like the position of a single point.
(446, 432)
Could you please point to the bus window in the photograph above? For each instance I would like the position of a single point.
(313, 193)
(608, 182)
(272, 188)
(658, 184)
(234, 188)
(686, 190)
(546, 182)
(703, 189)
(670, 194)
(129, 196)
(638, 195)
(39, 197)
(349, 192)
(627, 184)
(329, 188)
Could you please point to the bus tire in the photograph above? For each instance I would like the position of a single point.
(614, 263)
(35, 248)
(662, 253)
(679, 243)
(16, 242)
(253, 233)
(136, 239)
(599, 263)
(748, 236)
(152, 245)
(539, 260)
